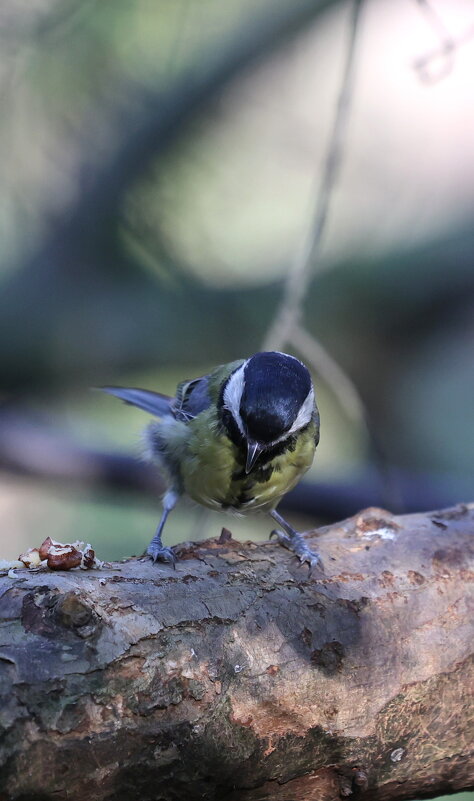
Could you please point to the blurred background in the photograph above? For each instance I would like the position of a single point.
(162, 168)
(162, 163)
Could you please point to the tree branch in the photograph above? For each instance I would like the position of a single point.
(239, 676)
(29, 447)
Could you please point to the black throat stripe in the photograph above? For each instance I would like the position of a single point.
(231, 428)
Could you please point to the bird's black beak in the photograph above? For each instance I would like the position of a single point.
(254, 450)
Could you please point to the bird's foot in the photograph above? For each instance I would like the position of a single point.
(296, 543)
(158, 553)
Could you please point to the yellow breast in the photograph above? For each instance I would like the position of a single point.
(213, 472)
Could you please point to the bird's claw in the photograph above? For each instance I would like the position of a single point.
(159, 554)
(297, 545)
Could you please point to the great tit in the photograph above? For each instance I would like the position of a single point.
(234, 440)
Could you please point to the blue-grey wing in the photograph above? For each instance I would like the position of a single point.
(192, 397)
(153, 402)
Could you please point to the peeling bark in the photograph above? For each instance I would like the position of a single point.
(239, 676)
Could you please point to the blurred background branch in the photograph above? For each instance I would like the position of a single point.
(32, 449)
(445, 53)
(111, 152)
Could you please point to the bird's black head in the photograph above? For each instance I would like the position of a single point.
(269, 397)
(274, 390)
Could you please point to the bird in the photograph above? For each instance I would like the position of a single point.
(234, 440)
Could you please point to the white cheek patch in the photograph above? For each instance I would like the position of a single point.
(233, 395)
(304, 414)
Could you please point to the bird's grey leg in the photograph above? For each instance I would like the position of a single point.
(155, 549)
(294, 541)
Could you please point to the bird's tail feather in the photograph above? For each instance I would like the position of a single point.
(153, 402)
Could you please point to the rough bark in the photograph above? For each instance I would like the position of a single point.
(239, 676)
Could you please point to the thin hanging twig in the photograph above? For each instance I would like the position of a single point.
(315, 354)
(443, 55)
(446, 48)
(287, 327)
(307, 256)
